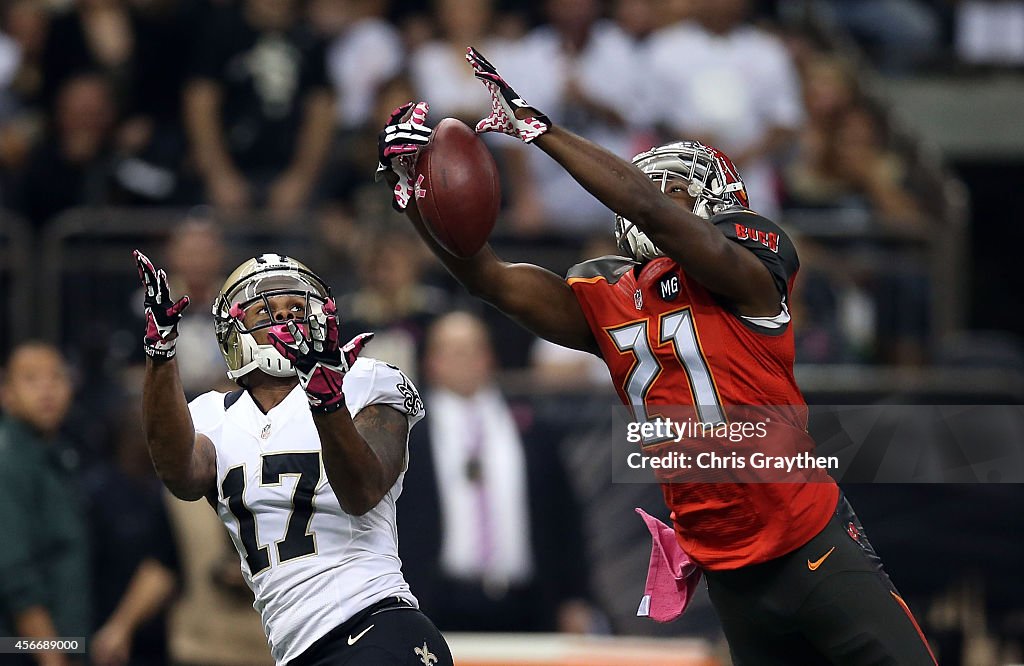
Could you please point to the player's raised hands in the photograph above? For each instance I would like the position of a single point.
(319, 361)
(162, 313)
(397, 144)
(504, 103)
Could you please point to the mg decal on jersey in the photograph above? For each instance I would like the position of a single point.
(638, 299)
(769, 239)
(668, 286)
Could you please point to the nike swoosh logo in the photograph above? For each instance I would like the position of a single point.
(813, 566)
(352, 641)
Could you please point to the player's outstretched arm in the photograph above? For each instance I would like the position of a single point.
(702, 249)
(362, 456)
(707, 255)
(185, 461)
(533, 296)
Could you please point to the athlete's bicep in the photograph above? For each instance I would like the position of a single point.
(766, 250)
(725, 256)
(744, 279)
(543, 303)
(203, 472)
(386, 431)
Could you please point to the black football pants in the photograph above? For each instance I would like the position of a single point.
(389, 633)
(828, 602)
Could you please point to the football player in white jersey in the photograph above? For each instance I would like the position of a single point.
(303, 464)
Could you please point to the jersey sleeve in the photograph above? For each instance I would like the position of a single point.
(586, 280)
(766, 240)
(609, 268)
(208, 414)
(373, 382)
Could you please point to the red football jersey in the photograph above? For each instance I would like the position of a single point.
(669, 341)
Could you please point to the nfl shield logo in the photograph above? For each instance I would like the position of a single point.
(638, 299)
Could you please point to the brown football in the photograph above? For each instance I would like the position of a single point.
(457, 188)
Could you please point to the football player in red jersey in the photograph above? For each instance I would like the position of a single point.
(695, 315)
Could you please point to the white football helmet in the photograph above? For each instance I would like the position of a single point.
(714, 183)
(257, 280)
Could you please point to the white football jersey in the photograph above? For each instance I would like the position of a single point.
(310, 565)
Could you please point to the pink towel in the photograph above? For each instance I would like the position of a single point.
(672, 576)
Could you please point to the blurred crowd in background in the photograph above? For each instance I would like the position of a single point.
(207, 131)
(273, 107)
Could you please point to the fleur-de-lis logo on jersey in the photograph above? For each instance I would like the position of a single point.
(425, 655)
(412, 404)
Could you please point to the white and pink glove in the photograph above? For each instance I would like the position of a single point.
(318, 360)
(397, 145)
(504, 103)
(162, 313)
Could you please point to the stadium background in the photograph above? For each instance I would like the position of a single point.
(898, 179)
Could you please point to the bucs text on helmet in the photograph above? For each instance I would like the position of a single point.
(713, 182)
(256, 281)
